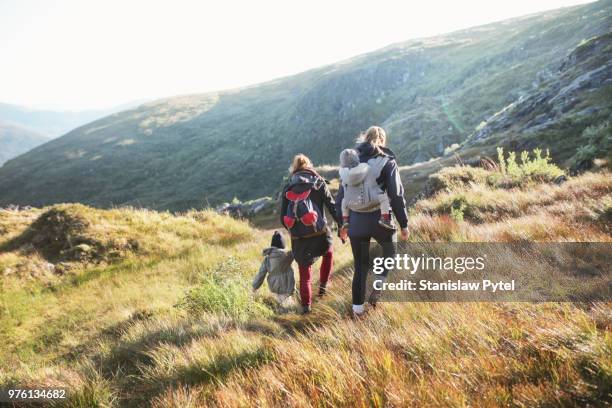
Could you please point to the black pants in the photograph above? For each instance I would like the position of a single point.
(361, 256)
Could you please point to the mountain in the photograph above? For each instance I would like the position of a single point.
(55, 123)
(46, 124)
(577, 96)
(15, 140)
(429, 94)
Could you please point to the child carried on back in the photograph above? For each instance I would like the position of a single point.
(276, 265)
(361, 191)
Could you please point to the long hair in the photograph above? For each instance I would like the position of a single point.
(374, 135)
(300, 162)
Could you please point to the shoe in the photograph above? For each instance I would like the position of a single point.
(306, 309)
(357, 316)
(386, 224)
(322, 291)
(374, 297)
(358, 311)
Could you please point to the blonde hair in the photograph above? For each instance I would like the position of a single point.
(300, 162)
(375, 135)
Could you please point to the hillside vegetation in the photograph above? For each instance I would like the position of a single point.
(430, 94)
(160, 314)
(15, 140)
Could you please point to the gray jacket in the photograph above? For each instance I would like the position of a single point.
(277, 266)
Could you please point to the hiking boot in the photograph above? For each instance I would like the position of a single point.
(374, 297)
(322, 290)
(306, 310)
(387, 224)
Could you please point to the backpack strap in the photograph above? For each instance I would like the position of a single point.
(377, 164)
(292, 196)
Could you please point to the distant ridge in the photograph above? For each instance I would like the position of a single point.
(197, 150)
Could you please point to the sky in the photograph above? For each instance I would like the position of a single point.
(76, 55)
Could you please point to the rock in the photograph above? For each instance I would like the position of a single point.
(80, 252)
(83, 248)
(48, 267)
(246, 209)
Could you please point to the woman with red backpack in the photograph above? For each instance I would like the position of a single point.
(303, 215)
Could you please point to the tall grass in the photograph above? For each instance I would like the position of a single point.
(173, 324)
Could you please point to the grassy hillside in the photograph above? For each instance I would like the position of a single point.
(15, 140)
(139, 308)
(185, 152)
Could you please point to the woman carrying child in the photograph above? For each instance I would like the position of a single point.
(364, 217)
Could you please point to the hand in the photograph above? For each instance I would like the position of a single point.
(343, 234)
(404, 234)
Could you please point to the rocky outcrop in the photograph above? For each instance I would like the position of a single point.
(247, 209)
(558, 95)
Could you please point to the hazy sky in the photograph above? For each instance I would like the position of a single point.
(79, 54)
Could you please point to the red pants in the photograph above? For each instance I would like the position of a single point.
(306, 276)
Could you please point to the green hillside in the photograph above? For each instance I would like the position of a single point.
(195, 150)
(15, 140)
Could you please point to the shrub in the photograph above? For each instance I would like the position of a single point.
(508, 173)
(224, 290)
(598, 143)
(538, 169)
(457, 213)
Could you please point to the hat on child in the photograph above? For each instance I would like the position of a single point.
(277, 240)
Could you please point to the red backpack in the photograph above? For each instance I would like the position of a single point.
(303, 217)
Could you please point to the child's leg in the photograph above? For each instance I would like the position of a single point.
(385, 207)
(345, 212)
(305, 284)
(326, 269)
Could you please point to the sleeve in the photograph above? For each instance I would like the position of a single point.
(261, 275)
(329, 202)
(283, 208)
(339, 199)
(395, 191)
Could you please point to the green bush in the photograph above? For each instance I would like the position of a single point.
(224, 290)
(598, 144)
(538, 169)
(457, 212)
(509, 173)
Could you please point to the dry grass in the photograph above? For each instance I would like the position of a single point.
(577, 210)
(114, 335)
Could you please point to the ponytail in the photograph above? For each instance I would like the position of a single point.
(300, 162)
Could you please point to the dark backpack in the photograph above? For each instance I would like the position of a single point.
(303, 217)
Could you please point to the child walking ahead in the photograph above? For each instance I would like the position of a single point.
(277, 266)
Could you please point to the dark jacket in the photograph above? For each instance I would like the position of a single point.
(361, 224)
(307, 250)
